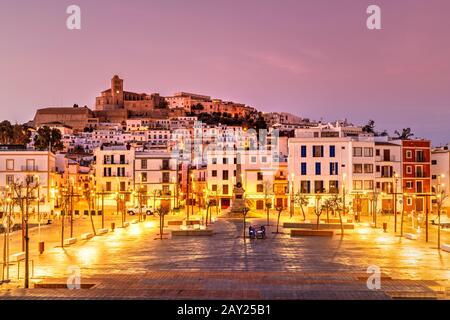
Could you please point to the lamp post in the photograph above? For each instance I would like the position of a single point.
(292, 195)
(343, 191)
(395, 179)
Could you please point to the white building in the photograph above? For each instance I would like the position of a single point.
(18, 165)
(440, 173)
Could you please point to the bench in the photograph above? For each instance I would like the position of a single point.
(16, 257)
(87, 236)
(70, 241)
(102, 231)
(206, 232)
(134, 221)
(311, 233)
(445, 247)
(313, 226)
(411, 236)
(174, 222)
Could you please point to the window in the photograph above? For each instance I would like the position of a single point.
(419, 186)
(144, 176)
(409, 201)
(332, 151)
(9, 179)
(409, 184)
(318, 186)
(434, 177)
(377, 168)
(368, 184)
(368, 152)
(225, 161)
(357, 184)
(409, 169)
(333, 186)
(318, 168)
(377, 152)
(433, 162)
(166, 177)
(260, 176)
(368, 168)
(358, 168)
(259, 188)
(122, 159)
(303, 151)
(225, 189)
(357, 152)
(122, 186)
(408, 154)
(30, 165)
(10, 164)
(214, 173)
(317, 151)
(214, 187)
(144, 164)
(225, 174)
(108, 186)
(234, 160)
(420, 156)
(334, 168)
(214, 160)
(253, 159)
(305, 186)
(303, 168)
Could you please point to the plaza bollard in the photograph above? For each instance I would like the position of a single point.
(385, 226)
(113, 226)
(41, 247)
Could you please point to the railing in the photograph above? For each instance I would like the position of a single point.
(30, 168)
(166, 167)
(116, 162)
(420, 159)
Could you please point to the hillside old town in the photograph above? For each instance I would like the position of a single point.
(193, 149)
(190, 155)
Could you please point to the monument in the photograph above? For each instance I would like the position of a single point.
(238, 191)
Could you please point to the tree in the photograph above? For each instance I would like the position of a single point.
(327, 205)
(161, 211)
(23, 191)
(90, 197)
(279, 210)
(268, 192)
(369, 127)
(318, 209)
(46, 137)
(337, 205)
(406, 134)
(441, 197)
(78, 149)
(14, 134)
(198, 107)
(301, 200)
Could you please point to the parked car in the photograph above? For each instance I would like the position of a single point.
(145, 210)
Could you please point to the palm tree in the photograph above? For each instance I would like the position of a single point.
(406, 134)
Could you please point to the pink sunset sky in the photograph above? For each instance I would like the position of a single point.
(315, 58)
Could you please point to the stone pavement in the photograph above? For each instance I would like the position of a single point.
(132, 263)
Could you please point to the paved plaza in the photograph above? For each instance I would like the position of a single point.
(133, 263)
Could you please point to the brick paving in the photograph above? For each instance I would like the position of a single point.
(131, 264)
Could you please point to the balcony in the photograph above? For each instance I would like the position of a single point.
(166, 168)
(115, 162)
(420, 159)
(29, 168)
